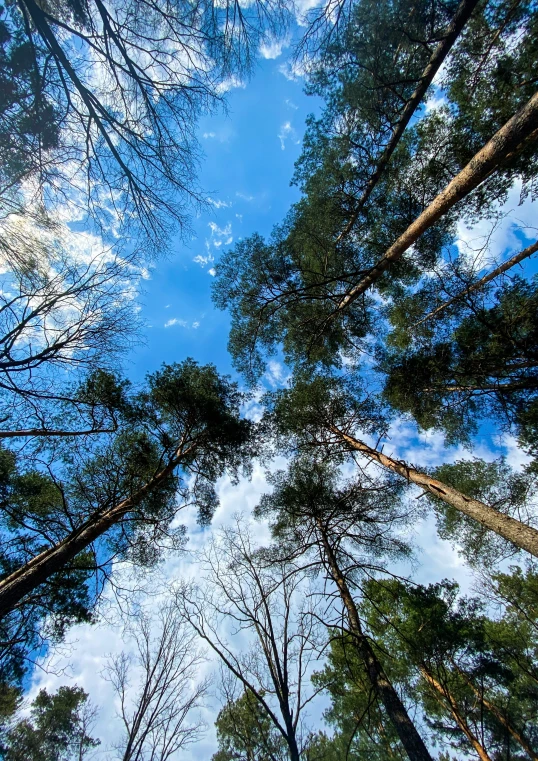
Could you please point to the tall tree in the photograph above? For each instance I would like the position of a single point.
(349, 529)
(186, 424)
(265, 604)
(158, 719)
(123, 140)
(57, 730)
(448, 650)
(300, 290)
(323, 412)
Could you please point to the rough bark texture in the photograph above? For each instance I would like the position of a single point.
(518, 132)
(462, 15)
(529, 251)
(409, 737)
(523, 536)
(27, 578)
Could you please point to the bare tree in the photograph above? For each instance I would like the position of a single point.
(157, 687)
(274, 629)
(118, 86)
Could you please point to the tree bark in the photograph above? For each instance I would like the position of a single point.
(462, 15)
(523, 536)
(518, 736)
(460, 721)
(518, 132)
(407, 732)
(38, 570)
(529, 251)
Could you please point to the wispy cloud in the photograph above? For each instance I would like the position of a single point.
(287, 132)
(220, 235)
(181, 323)
(273, 48)
(244, 196)
(218, 204)
(203, 261)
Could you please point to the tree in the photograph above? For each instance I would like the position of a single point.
(300, 290)
(483, 366)
(347, 528)
(127, 136)
(64, 319)
(188, 421)
(158, 719)
(325, 412)
(245, 732)
(57, 730)
(265, 602)
(448, 650)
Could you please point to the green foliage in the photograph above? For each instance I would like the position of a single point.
(245, 732)
(495, 484)
(451, 657)
(361, 730)
(485, 365)
(57, 729)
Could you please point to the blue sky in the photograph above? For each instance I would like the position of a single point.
(249, 155)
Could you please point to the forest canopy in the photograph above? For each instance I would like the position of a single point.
(323, 544)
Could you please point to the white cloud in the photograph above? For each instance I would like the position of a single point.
(175, 321)
(273, 48)
(244, 196)
(203, 261)
(290, 104)
(287, 132)
(293, 70)
(195, 325)
(276, 374)
(220, 235)
(231, 83)
(219, 204)
(500, 235)
(212, 272)
(208, 135)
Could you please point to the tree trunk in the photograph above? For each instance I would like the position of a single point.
(518, 132)
(409, 737)
(29, 576)
(508, 264)
(523, 536)
(459, 719)
(518, 736)
(462, 15)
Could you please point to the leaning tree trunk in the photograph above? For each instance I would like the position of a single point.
(462, 15)
(38, 570)
(518, 132)
(523, 536)
(516, 733)
(406, 730)
(439, 690)
(508, 264)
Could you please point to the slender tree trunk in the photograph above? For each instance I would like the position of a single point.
(29, 576)
(518, 132)
(459, 719)
(519, 385)
(409, 737)
(47, 432)
(508, 264)
(518, 736)
(462, 15)
(523, 536)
